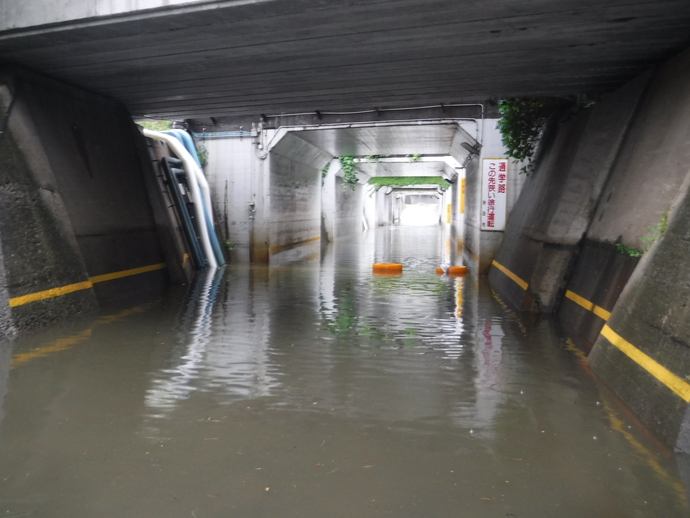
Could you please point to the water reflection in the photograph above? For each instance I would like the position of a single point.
(176, 383)
(341, 392)
(5, 362)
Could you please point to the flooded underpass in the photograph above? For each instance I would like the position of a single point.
(318, 389)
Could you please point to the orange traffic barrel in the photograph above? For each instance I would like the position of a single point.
(439, 271)
(388, 267)
(457, 270)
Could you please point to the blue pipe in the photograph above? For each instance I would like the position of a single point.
(188, 143)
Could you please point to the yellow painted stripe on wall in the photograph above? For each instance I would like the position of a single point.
(665, 376)
(71, 288)
(290, 245)
(127, 273)
(588, 305)
(49, 294)
(510, 274)
(601, 312)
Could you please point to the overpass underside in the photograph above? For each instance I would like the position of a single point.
(284, 97)
(201, 59)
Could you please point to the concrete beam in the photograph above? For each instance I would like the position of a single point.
(235, 58)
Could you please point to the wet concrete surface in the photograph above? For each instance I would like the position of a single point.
(320, 390)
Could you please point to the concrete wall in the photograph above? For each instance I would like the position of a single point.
(651, 315)
(90, 144)
(39, 249)
(328, 202)
(481, 246)
(610, 176)
(560, 198)
(294, 227)
(75, 203)
(235, 176)
(348, 209)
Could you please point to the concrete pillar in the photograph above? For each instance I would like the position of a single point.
(328, 202)
(38, 248)
(559, 200)
(294, 191)
(482, 245)
(235, 172)
(77, 226)
(643, 351)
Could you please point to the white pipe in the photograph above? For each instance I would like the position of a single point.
(205, 191)
(190, 167)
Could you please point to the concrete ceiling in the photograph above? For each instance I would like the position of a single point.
(433, 139)
(246, 57)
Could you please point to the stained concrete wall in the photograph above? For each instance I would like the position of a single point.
(651, 179)
(294, 227)
(39, 249)
(342, 207)
(328, 202)
(607, 177)
(235, 175)
(76, 205)
(90, 145)
(560, 197)
(481, 246)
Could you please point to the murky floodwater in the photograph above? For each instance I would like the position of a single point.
(320, 390)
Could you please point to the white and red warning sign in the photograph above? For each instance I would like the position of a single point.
(494, 183)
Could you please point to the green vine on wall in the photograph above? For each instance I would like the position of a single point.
(521, 125)
(347, 163)
(403, 181)
(626, 250)
(376, 158)
(324, 171)
(350, 178)
(202, 153)
(523, 121)
(654, 234)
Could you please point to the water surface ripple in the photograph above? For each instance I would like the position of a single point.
(318, 389)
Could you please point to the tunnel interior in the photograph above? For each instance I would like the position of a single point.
(288, 258)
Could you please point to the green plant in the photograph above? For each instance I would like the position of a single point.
(655, 232)
(415, 158)
(632, 252)
(521, 125)
(156, 125)
(376, 158)
(523, 120)
(349, 171)
(202, 152)
(230, 246)
(402, 181)
(324, 172)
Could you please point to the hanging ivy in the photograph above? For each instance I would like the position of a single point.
(202, 153)
(324, 172)
(523, 120)
(347, 163)
(405, 181)
(521, 125)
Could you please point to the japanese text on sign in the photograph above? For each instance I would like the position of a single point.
(494, 181)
